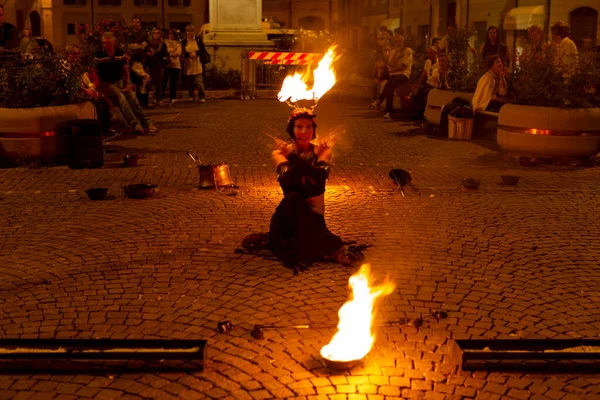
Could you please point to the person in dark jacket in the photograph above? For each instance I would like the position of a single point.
(492, 46)
(8, 33)
(195, 59)
(159, 59)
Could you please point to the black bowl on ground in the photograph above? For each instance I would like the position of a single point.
(471, 183)
(400, 176)
(96, 193)
(131, 160)
(510, 180)
(139, 190)
(340, 365)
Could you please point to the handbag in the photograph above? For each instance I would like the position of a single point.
(165, 60)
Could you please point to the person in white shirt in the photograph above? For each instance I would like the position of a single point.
(567, 54)
(399, 66)
(428, 80)
(490, 87)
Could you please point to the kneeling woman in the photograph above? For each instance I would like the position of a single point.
(298, 232)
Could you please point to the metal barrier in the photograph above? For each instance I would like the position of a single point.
(266, 70)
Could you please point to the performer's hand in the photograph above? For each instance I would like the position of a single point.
(324, 154)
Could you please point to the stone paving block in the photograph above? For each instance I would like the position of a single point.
(166, 267)
(326, 390)
(389, 390)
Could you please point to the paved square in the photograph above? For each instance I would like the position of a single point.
(503, 262)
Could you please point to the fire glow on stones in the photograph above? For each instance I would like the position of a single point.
(295, 87)
(354, 338)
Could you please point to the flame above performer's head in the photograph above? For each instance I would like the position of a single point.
(295, 87)
(301, 113)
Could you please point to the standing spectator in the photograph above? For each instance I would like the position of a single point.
(174, 67)
(535, 43)
(115, 83)
(28, 44)
(567, 54)
(8, 33)
(196, 57)
(139, 35)
(492, 45)
(138, 52)
(158, 60)
(399, 67)
(443, 73)
(450, 41)
(490, 87)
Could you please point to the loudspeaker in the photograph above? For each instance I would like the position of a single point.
(85, 144)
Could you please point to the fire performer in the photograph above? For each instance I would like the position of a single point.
(298, 232)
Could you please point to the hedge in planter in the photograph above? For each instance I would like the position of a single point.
(40, 80)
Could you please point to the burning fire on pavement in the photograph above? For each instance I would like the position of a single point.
(354, 338)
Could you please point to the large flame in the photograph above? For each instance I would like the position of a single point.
(295, 86)
(354, 338)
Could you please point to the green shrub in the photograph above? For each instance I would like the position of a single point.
(40, 80)
(219, 77)
(541, 81)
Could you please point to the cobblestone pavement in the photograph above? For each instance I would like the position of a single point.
(502, 262)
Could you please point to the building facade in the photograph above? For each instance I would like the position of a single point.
(359, 19)
(56, 20)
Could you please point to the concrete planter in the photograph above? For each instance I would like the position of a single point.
(29, 134)
(548, 131)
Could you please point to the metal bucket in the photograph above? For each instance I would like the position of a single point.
(207, 177)
(222, 176)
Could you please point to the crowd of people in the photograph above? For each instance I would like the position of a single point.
(120, 78)
(394, 61)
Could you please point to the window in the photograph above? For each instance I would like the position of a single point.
(109, 2)
(180, 26)
(75, 2)
(145, 2)
(179, 3)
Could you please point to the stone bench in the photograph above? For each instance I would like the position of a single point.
(29, 134)
(485, 121)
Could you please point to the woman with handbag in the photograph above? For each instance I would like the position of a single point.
(196, 57)
(174, 67)
(159, 58)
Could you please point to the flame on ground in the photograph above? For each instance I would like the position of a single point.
(295, 86)
(354, 338)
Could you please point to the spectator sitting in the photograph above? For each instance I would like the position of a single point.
(567, 54)
(109, 115)
(399, 67)
(490, 87)
(428, 80)
(380, 75)
(115, 83)
(492, 45)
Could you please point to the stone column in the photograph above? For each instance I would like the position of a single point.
(235, 25)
